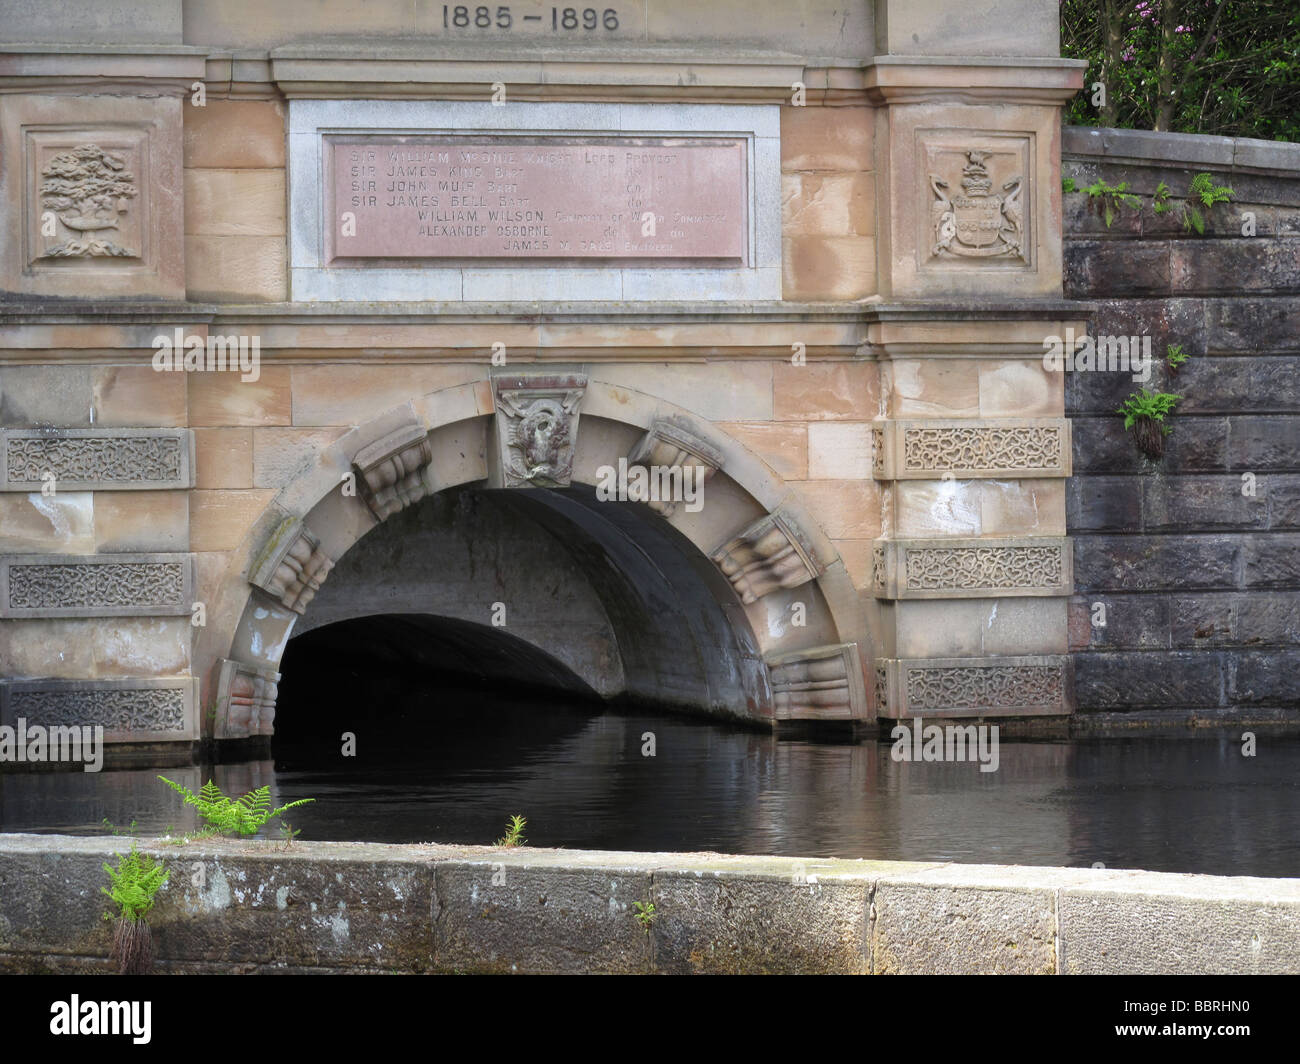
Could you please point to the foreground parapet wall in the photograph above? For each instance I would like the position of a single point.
(356, 907)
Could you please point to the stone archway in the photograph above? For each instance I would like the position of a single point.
(797, 646)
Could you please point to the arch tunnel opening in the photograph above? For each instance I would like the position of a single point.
(473, 597)
(415, 687)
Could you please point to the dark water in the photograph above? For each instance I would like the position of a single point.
(582, 782)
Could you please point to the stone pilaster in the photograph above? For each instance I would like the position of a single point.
(973, 570)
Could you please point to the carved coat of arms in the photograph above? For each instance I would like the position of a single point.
(977, 222)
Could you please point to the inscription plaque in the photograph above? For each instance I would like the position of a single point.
(649, 199)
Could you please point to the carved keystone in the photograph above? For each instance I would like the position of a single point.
(668, 446)
(391, 470)
(292, 565)
(245, 700)
(824, 683)
(537, 426)
(771, 553)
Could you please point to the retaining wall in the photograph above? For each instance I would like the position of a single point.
(358, 907)
(1200, 580)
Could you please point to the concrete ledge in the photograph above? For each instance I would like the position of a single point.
(261, 906)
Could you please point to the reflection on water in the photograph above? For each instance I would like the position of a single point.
(580, 779)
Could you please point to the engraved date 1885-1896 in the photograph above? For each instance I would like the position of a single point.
(500, 17)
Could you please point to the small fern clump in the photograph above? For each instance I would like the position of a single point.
(1144, 413)
(133, 888)
(134, 884)
(1204, 191)
(245, 815)
(1113, 198)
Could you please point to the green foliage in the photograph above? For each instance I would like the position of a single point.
(644, 911)
(1068, 185)
(514, 835)
(245, 815)
(133, 884)
(1160, 199)
(1153, 406)
(1112, 197)
(1175, 356)
(1227, 67)
(1204, 191)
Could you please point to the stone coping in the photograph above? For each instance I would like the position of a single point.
(1183, 149)
(1278, 890)
(350, 906)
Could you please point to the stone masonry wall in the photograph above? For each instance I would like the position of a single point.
(1200, 579)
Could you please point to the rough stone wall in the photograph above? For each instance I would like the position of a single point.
(1200, 580)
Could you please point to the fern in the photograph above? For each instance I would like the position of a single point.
(245, 815)
(1204, 190)
(1113, 198)
(134, 884)
(1148, 405)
